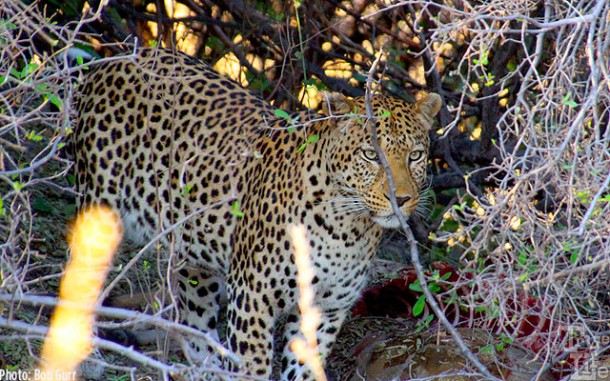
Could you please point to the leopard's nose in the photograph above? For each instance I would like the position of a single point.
(400, 200)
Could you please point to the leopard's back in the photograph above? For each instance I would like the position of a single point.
(159, 137)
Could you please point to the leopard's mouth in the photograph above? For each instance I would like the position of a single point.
(389, 221)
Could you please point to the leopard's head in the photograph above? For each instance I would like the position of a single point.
(361, 182)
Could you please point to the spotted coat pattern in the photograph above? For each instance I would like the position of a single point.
(164, 139)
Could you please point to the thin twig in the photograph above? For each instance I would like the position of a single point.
(139, 358)
(405, 227)
(134, 316)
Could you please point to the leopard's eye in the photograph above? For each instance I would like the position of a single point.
(369, 154)
(416, 156)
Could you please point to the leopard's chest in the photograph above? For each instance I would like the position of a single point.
(342, 249)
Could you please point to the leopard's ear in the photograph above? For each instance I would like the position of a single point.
(428, 105)
(335, 104)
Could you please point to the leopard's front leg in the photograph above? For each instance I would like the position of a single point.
(250, 328)
(334, 304)
(331, 322)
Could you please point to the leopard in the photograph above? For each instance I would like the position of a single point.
(165, 140)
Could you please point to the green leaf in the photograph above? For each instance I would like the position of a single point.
(522, 259)
(487, 350)
(55, 100)
(12, 368)
(33, 136)
(574, 256)
(18, 185)
(506, 339)
(356, 115)
(314, 83)
(584, 196)
(235, 210)
(460, 207)
(8, 25)
(313, 138)
(415, 286)
(423, 325)
(286, 116)
(282, 114)
(301, 148)
(568, 101)
(28, 69)
(193, 282)
(186, 190)
(15, 73)
(418, 308)
(386, 114)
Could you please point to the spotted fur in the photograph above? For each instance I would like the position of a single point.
(162, 136)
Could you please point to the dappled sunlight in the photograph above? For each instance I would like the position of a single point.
(95, 237)
(306, 348)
